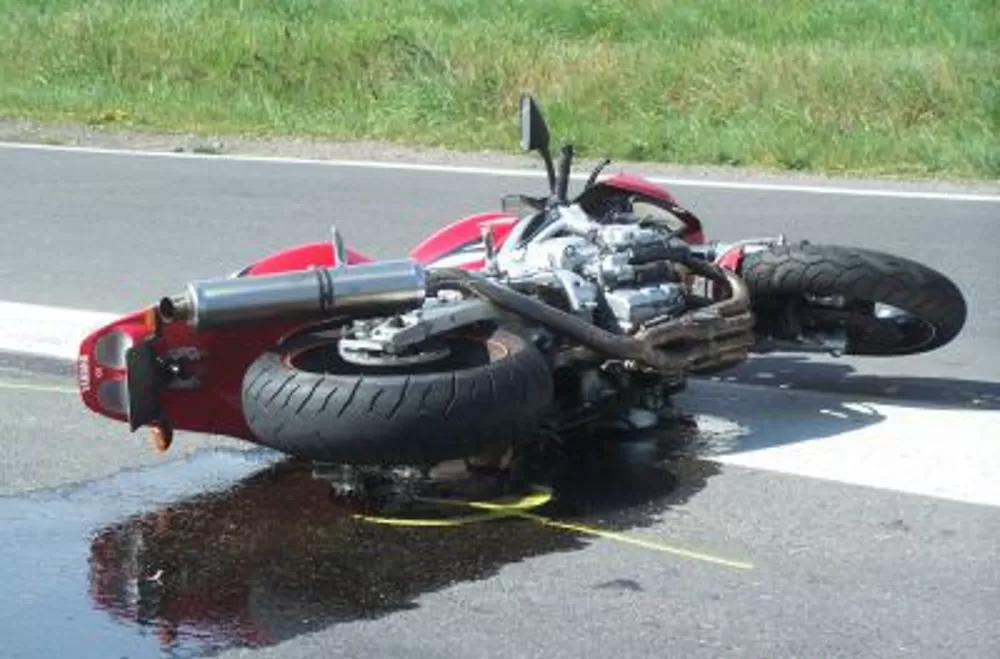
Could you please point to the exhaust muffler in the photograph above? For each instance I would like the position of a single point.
(382, 287)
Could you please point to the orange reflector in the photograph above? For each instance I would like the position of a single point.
(150, 320)
(163, 437)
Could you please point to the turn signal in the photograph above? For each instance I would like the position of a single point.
(163, 437)
(150, 320)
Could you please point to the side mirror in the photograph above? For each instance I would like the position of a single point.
(535, 135)
(534, 132)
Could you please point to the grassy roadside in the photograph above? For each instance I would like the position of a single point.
(904, 87)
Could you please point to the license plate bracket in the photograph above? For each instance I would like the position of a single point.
(145, 379)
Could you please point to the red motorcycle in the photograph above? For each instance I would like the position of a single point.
(552, 314)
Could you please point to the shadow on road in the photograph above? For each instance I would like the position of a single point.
(799, 372)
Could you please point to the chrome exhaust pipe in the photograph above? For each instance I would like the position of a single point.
(382, 287)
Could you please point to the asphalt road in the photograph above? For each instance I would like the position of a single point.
(784, 565)
(111, 233)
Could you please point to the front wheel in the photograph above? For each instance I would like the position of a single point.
(307, 400)
(884, 304)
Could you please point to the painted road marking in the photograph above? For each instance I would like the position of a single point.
(508, 172)
(906, 447)
(40, 388)
(46, 331)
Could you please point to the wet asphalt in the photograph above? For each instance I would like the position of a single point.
(110, 550)
(234, 552)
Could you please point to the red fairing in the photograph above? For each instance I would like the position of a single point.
(731, 260)
(224, 355)
(463, 234)
(214, 406)
(301, 257)
(639, 185)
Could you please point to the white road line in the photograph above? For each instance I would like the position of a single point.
(904, 447)
(46, 331)
(529, 173)
(916, 449)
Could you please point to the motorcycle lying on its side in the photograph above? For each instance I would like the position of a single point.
(552, 313)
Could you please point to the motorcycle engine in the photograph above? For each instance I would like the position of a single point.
(599, 264)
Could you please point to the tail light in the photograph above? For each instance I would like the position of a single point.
(110, 349)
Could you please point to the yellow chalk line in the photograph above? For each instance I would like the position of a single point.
(638, 542)
(520, 509)
(495, 511)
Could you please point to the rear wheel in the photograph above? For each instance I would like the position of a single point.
(472, 392)
(886, 305)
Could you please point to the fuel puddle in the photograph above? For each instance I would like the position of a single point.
(244, 549)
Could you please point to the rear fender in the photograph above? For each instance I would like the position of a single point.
(208, 398)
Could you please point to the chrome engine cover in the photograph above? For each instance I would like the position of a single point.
(634, 306)
(559, 253)
(619, 237)
(590, 259)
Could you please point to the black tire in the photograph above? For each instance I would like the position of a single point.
(306, 401)
(784, 272)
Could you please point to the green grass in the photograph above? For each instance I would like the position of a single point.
(901, 87)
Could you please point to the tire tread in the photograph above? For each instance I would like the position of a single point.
(792, 270)
(407, 418)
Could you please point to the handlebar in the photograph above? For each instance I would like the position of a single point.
(565, 163)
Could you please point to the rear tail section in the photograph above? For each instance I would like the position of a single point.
(179, 365)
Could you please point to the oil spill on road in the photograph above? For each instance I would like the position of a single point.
(232, 549)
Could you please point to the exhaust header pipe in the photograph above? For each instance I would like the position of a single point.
(382, 287)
